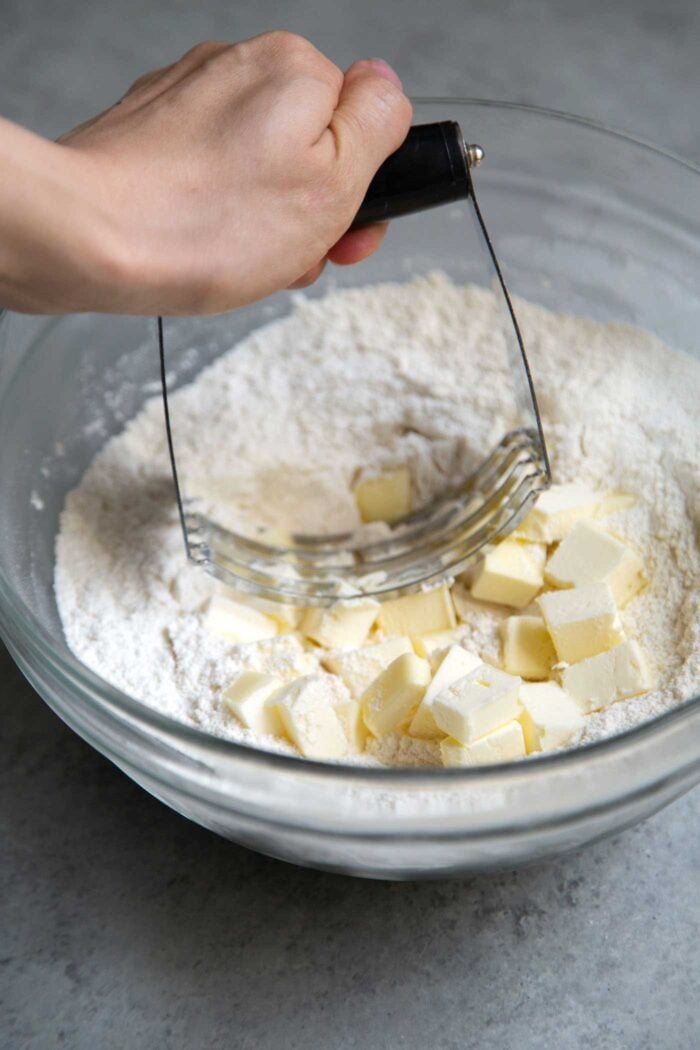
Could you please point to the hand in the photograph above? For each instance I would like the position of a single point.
(220, 179)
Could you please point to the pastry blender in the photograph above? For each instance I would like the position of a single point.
(438, 540)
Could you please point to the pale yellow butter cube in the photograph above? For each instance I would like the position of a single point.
(433, 646)
(602, 680)
(614, 502)
(482, 701)
(465, 605)
(349, 713)
(456, 663)
(549, 716)
(359, 667)
(416, 614)
(528, 650)
(391, 700)
(309, 719)
(289, 617)
(344, 625)
(247, 700)
(510, 574)
(286, 616)
(589, 554)
(278, 537)
(386, 498)
(285, 656)
(558, 509)
(502, 745)
(237, 623)
(582, 622)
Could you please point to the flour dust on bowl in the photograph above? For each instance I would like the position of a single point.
(114, 637)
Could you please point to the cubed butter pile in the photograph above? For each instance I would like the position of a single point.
(402, 666)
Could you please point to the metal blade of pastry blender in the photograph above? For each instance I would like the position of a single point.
(431, 168)
(525, 386)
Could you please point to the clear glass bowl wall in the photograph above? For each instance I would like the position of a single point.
(584, 220)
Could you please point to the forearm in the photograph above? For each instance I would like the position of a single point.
(55, 243)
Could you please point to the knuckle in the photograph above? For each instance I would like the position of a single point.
(204, 48)
(139, 83)
(287, 43)
(329, 74)
(338, 78)
(295, 55)
(321, 82)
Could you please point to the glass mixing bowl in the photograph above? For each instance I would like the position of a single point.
(585, 220)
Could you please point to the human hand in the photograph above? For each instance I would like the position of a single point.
(222, 178)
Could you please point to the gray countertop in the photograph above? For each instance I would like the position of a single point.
(121, 924)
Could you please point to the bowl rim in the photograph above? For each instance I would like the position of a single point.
(16, 614)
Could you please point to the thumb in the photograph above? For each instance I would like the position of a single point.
(371, 119)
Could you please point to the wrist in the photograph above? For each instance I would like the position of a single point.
(58, 252)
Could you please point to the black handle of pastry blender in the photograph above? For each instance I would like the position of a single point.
(431, 167)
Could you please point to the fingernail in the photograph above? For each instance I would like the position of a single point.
(385, 70)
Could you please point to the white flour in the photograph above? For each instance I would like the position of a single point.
(363, 380)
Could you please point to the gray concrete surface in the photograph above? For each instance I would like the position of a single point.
(122, 925)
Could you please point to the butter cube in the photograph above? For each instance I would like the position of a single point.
(614, 502)
(503, 745)
(510, 574)
(278, 537)
(285, 656)
(288, 616)
(344, 625)
(387, 498)
(432, 646)
(349, 713)
(528, 650)
(237, 623)
(590, 554)
(415, 614)
(557, 510)
(359, 667)
(465, 605)
(456, 663)
(582, 622)
(285, 615)
(549, 716)
(247, 700)
(482, 701)
(601, 680)
(309, 720)
(392, 698)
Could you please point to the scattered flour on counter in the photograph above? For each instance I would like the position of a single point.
(363, 381)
